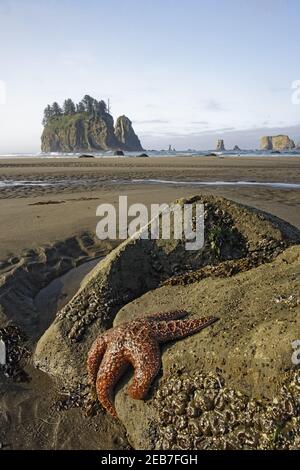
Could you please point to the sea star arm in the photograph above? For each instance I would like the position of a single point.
(171, 315)
(109, 373)
(170, 330)
(146, 361)
(95, 356)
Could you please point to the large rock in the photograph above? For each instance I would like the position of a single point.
(250, 347)
(124, 133)
(232, 231)
(220, 145)
(277, 143)
(80, 133)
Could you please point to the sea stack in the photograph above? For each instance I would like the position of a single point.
(236, 148)
(125, 134)
(220, 145)
(86, 127)
(277, 143)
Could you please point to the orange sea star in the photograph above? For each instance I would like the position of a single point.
(136, 343)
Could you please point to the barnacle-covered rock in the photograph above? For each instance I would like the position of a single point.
(243, 349)
(244, 422)
(16, 353)
(233, 234)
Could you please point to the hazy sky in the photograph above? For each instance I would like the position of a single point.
(185, 72)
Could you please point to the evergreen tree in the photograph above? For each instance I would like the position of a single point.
(69, 107)
(56, 109)
(99, 108)
(88, 103)
(47, 114)
(102, 107)
(96, 110)
(80, 107)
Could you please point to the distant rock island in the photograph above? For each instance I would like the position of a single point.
(277, 143)
(86, 126)
(220, 145)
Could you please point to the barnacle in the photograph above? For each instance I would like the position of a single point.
(206, 414)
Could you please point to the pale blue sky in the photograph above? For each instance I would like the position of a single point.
(185, 72)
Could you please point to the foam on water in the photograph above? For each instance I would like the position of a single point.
(277, 185)
(157, 153)
(14, 183)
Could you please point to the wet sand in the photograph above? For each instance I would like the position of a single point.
(31, 414)
(33, 216)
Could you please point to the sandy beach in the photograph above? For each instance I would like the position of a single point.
(51, 216)
(35, 215)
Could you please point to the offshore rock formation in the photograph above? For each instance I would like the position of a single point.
(277, 143)
(125, 134)
(81, 132)
(236, 148)
(220, 145)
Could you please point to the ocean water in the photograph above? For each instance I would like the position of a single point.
(9, 183)
(14, 183)
(45, 182)
(156, 153)
(73, 182)
(264, 184)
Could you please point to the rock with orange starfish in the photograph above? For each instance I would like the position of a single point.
(138, 266)
(136, 343)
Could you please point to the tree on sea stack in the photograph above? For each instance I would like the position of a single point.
(47, 114)
(100, 108)
(56, 109)
(88, 103)
(69, 107)
(80, 107)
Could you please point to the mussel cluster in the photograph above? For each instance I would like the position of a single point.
(79, 397)
(16, 353)
(86, 308)
(200, 412)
